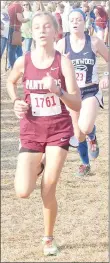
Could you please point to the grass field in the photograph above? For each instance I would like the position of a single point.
(81, 228)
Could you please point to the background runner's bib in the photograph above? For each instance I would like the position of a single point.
(45, 104)
(80, 77)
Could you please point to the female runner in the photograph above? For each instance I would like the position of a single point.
(82, 50)
(49, 86)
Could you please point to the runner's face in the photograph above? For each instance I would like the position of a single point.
(76, 22)
(43, 30)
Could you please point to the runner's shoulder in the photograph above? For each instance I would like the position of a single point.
(95, 40)
(60, 46)
(19, 64)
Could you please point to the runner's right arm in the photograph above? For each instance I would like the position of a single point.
(20, 106)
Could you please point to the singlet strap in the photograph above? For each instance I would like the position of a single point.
(88, 41)
(58, 56)
(26, 61)
(67, 44)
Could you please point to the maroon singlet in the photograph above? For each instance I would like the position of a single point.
(47, 120)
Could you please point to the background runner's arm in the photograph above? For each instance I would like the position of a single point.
(14, 76)
(72, 97)
(102, 49)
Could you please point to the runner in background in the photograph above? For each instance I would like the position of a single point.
(83, 50)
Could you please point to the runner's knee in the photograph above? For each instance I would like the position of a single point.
(86, 130)
(48, 194)
(80, 136)
(21, 191)
(85, 127)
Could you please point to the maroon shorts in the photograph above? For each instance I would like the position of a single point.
(32, 146)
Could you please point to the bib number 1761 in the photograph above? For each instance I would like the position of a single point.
(48, 101)
(45, 104)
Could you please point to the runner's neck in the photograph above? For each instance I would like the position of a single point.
(44, 53)
(78, 36)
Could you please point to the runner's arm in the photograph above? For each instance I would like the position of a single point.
(100, 48)
(104, 52)
(14, 76)
(71, 98)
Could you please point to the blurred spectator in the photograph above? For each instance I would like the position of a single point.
(51, 7)
(58, 14)
(5, 22)
(65, 14)
(106, 33)
(84, 4)
(103, 4)
(107, 7)
(26, 28)
(37, 6)
(15, 11)
(76, 5)
(100, 21)
(85, 9)
(1, 26)
(92, 16)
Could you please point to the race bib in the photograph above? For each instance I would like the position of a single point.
(45, 104)
(80, 77)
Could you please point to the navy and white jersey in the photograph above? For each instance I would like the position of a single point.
(84, 62)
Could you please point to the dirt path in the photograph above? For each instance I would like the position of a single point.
(82, 223)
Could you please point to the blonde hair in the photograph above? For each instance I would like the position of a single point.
(46, 13)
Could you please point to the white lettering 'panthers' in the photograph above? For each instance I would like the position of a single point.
(38, 84)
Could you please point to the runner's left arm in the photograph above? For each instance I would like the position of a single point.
(102, 50)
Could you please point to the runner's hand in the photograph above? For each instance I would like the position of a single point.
(20, 108)
(67, 55)
(104, 82)
(50, 84)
